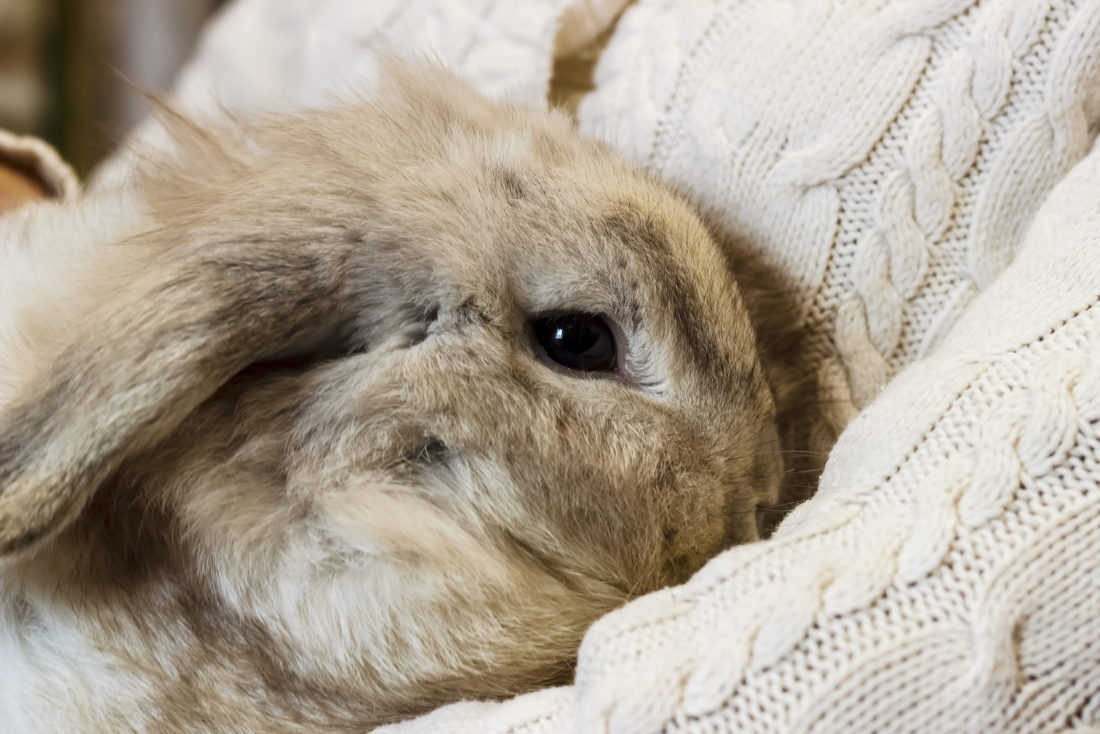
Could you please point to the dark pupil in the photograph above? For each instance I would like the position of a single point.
(578, 341)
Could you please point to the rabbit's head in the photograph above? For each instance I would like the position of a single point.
(404, 395)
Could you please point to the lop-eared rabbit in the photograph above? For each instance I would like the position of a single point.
(329, 419)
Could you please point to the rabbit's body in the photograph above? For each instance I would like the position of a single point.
(292, 457)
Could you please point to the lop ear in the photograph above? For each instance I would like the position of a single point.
(150, 359)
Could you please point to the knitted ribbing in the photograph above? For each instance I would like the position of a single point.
(885, 161)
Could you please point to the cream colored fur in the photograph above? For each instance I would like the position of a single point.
(278, 452)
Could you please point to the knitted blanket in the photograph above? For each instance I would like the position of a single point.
(920, 173)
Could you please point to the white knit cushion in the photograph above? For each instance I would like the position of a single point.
(890, 158)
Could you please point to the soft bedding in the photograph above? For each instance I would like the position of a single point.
(922, 174)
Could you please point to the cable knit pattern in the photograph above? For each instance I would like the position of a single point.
(889, 158)
(885, 182)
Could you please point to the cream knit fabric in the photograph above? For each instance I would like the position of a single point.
(890, 157)
(275, 55)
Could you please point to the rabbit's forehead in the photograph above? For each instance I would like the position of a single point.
(680, 280)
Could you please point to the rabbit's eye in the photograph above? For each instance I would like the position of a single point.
(579, 341)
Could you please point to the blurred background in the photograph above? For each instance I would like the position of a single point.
(63, 66)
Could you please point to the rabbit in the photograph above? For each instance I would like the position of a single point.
(333, 417)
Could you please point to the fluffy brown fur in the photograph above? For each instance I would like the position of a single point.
(278, 451)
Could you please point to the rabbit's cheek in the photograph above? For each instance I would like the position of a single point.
(402, 411)
(354, 416)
